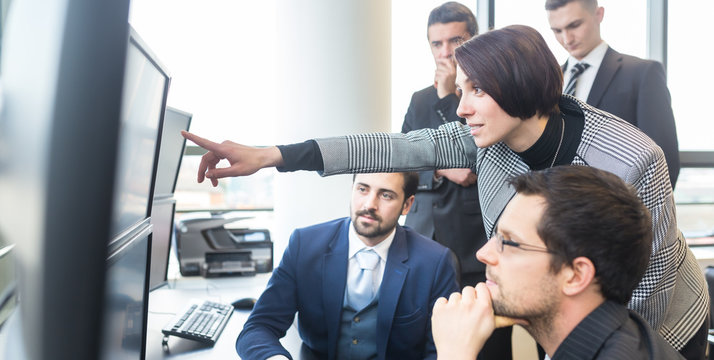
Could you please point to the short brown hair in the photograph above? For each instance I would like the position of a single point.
(557, 4)
(516, 68)
(594, 214)
(453, 12)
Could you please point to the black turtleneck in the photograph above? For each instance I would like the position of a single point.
(540, 155)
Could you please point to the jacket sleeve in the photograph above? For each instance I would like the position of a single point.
(655, 117)
(650, 179)
(411, 122)
(444, 284)
(273, 312)
(449, 146)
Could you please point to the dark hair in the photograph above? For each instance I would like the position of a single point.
(557, 4)
(411, 182)
(593, 213)
(453, 12)
(516, 68)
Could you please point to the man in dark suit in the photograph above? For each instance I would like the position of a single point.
(567, 282)
(629, 87)
(321, 278)
(447, 206)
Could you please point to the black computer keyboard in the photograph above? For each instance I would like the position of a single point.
(202, 321)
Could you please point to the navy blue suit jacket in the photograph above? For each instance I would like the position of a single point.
(310, 280)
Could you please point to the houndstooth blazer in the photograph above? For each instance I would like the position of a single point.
(672, 295)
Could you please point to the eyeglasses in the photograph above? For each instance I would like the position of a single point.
(503, 242)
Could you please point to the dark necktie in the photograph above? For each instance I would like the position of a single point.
(574, 73)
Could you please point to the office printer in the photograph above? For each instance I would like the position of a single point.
(205, 247)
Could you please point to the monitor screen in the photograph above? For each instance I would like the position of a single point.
(126, 298)
(8, 298)
(171, 152)
(146, 84)
(162, 219)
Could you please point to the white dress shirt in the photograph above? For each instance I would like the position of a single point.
(587, 78)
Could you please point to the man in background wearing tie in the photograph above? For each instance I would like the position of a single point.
(629, 87)
(363, 287)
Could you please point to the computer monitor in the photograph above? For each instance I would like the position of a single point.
(171, 152)
(146, 86)
(126, 297)
(8, 298)
(63, 67)
(162, 220)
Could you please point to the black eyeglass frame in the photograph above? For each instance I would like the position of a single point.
(524, 247)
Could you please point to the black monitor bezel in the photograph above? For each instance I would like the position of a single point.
(117, 249)
(165, 256)
(189, 116)
(141, 45)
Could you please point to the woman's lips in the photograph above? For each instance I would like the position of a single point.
(475, 129)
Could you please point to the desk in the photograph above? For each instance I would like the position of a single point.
(172, 298)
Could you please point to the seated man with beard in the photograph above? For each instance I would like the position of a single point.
(569, 249)
(363, 287)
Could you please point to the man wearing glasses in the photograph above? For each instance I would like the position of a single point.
(570, 248)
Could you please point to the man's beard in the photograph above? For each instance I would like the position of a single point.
(539, 315)
(377, 230)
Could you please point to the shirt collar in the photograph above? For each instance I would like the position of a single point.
(382, 249)
(593, 58)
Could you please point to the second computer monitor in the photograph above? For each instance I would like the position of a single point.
(162, 219)
(171, 152)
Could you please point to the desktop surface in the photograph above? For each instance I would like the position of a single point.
(165, 302)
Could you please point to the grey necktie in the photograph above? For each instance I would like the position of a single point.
(574, 74)
(360, 288)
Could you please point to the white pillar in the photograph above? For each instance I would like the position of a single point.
(333, 79)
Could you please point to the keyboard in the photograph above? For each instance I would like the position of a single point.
(201, 321)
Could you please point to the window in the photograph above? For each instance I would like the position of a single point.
(221, 57)
(687, 45)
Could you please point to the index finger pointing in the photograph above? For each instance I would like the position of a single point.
(204, 143)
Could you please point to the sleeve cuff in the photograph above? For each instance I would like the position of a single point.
(301, 156)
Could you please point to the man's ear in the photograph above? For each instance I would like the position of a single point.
(579, 275)
(407, 205)
(599, 14)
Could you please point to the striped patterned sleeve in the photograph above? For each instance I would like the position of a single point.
(449, 146)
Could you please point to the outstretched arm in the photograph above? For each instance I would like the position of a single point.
(244, 160)
(449, 146)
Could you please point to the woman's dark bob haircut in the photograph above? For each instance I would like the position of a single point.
(516, 68)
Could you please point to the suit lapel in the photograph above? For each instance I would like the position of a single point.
(334, 275)
(608, 68)
(392, 282)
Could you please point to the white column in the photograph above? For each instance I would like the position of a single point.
(333, 79)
